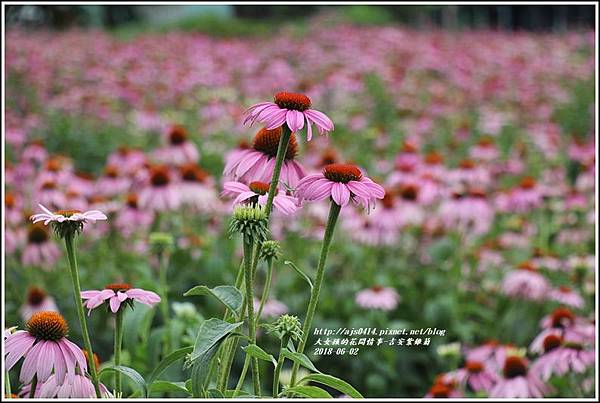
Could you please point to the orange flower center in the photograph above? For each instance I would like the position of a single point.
(9, 200)
(409, 192)
(132, 200)
(527, 182)
(440, 391)
(111, 171)
(193, 173)
(433, 158)
(159, 176)
(562, 317)
(261, 188)
(292, 100)
(342, 173)
(514, 366)
(177, 135)
(388, 200)
(551, 342)
(467, 164)
(474, 367)
(49, 185)
(37, 233)
(35, 296)
(527, 265)
(67, 213)
(87, 358)
(117, 287)
(53, 164)
(329, 156)
(47, 325)
(267, 142)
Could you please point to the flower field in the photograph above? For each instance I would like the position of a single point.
(452, 173)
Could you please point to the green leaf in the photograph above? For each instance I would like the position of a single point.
(200, 369)
(167, 362)
(167, 386)
(131, 373)
(308, 391)
(301, 359)
(215, 394)
(300, 272)
(136, 326)
(211, 332)
(334, 383)
(241, 393)
(228, 295)
(257, 352)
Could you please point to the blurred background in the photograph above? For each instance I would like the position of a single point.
(423, 97)
(203, 18)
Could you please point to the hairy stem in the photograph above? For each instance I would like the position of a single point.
(280, 360)
(80, 314)
(334, 212)
(118, 344)
(248, 248)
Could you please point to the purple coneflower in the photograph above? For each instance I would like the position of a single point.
(80, 387)
(45, 348)
(39, 250)
(132, 218)
(196, 188)
(526, 283)
(561, 356)
(160, 194)
(517, 381)
(179, 149)
(37, 301)
(378, 297)
(477, 374)
(257, 192)
(116, 294)
(272, 309)
(565, 295)
(290, 108)
(341, 182)
(68, 215)
(256, 163)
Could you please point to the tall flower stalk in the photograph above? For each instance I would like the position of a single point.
(248, 249)
(80, 313)
(334, 212)
(117, 349)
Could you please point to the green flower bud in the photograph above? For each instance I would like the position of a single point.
(250, 221)
(270, 250)
(161, 242)
(288, 326)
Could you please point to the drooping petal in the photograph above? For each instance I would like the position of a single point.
(114, 304)
(340, 194)
(294, 120)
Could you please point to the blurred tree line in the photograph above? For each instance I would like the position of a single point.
(507, 17)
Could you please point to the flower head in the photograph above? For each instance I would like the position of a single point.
(341, 182)
(270, 250)
(45, 348)
(292, 109)
(116, 294)
(67, 222)
(250, 221)
(287, 326)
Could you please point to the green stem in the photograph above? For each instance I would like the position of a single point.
(248, 249)
(34, 383)
(281, 151)
(238, 387)
(7, 388)
(164, 303)
(280, 360)
(230, 345)
(118, 344)
(334, 212)
(266, 289)
(81, 315)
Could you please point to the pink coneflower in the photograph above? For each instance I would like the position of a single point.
(68, 215)
(48, 193)
(127, 159)
(484, 150)
(76, 200)
(116, 294)
(132, 218)
(35, 151)
(160, 194)
(523, 198)
(467, 212)
(565, 295)
(257, 192)
(525, 282)
(433, 165)
(45, 348)
(37, 301)
(444, 386)
(341, 182)
(477, 374)
(290, 108)
(196, 188)
(561, 356)
(517, 381)
(468, 172)
(272, 308)
(410, 211)
(257, 162)
(39, 250)
(565, 323)
(112, 182)
(80, 387)
(378, 297)
(13, 208)
(179, 149)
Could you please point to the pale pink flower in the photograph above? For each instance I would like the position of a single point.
(521, 199)
(132, 218)
(196, 189)
(159, 193)
(39, 250)
(566, 296)
(257, 162)
(80, 387)
(127, 159)
(479, 375)
(257, 192)
(45, 348)
(179, 150)
(113, 182)
(37, 301)
(518, 382)
(116, 294)
(378, 297)
(560, 357)
(292, 109)
(525, 283)
(68, 215)
(272, 308)
(467, 212)
(341, 182)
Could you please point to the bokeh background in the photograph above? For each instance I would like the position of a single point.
(440, 104)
